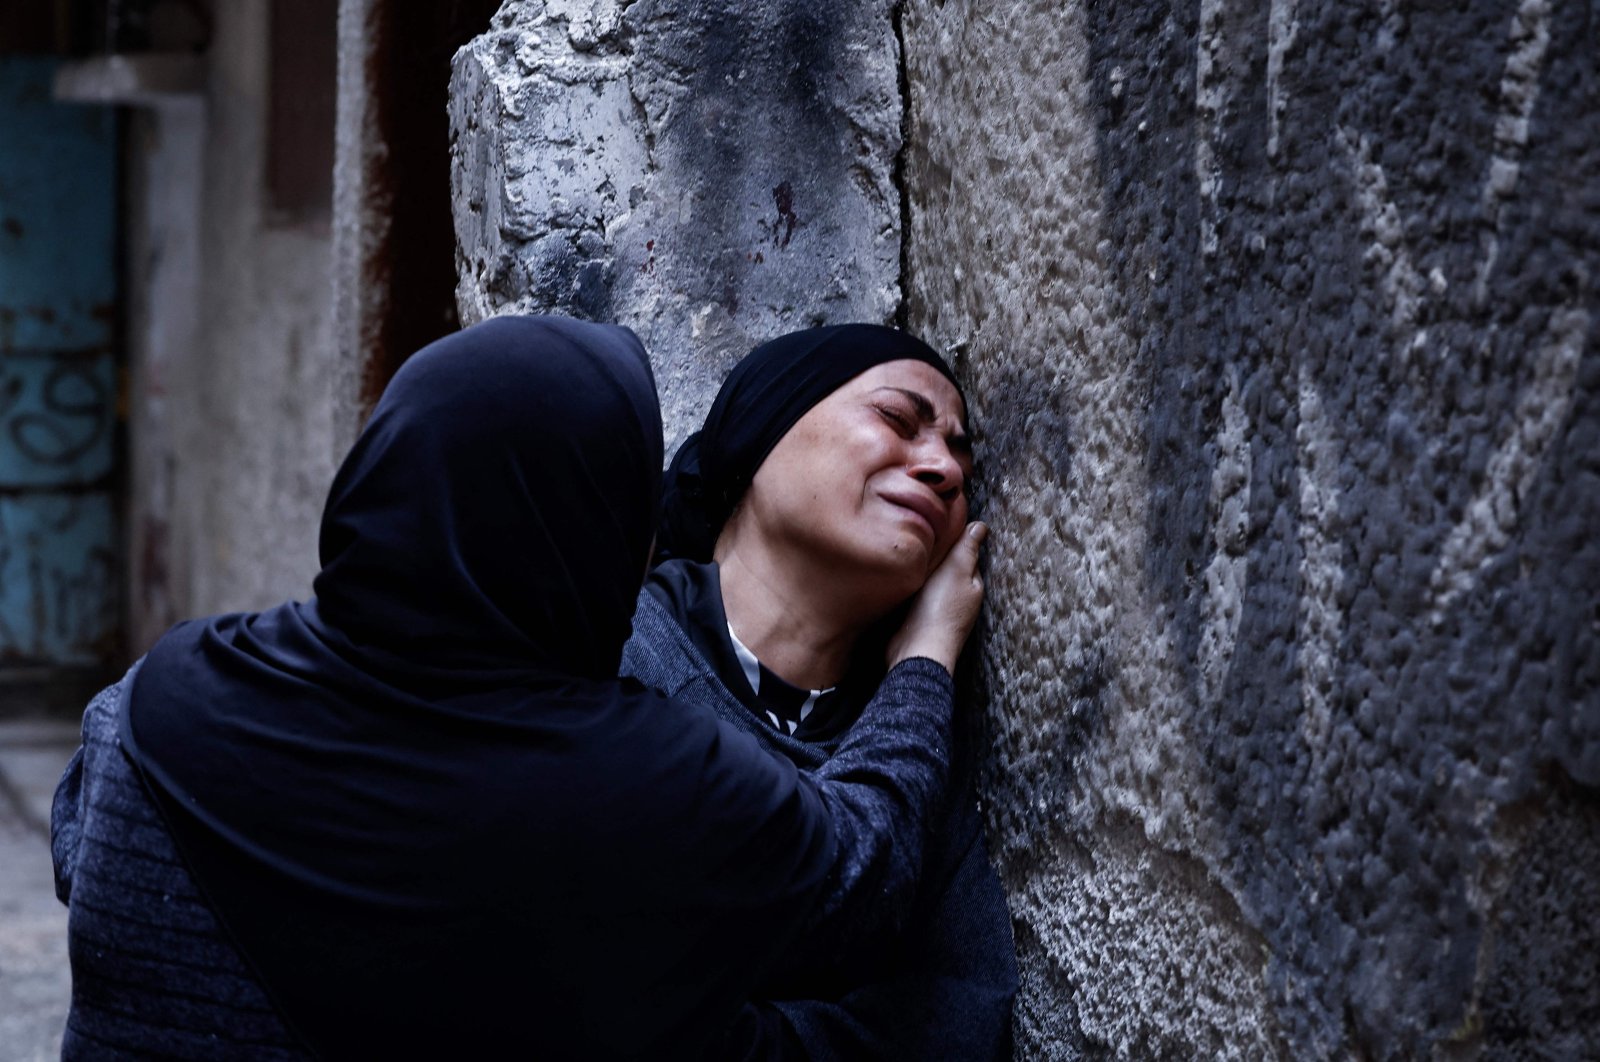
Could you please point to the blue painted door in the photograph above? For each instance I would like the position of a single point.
(59, 586)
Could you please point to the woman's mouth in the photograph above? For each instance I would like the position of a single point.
(925, 509)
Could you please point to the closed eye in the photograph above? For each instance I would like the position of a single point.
(902, 423)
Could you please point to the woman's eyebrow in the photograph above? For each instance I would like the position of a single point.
(959, 440)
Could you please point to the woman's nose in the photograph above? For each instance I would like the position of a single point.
(936, 466)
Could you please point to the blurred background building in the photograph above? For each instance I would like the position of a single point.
(189, 330)
(190, 333)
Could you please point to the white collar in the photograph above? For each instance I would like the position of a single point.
(752, 673)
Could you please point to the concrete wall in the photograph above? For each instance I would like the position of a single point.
(1278, 322)
(237, 391)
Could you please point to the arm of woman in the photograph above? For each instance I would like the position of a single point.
(883, 786)
(836, 855)
(785, 866)
(946, 987)
(942, 989)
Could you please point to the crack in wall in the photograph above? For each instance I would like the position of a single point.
(897, 173)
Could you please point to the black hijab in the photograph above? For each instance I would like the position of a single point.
(431, 818)
(770, 389)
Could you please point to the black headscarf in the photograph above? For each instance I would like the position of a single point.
(432, 819)
(770, 389)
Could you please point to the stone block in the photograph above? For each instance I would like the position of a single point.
(709, 174)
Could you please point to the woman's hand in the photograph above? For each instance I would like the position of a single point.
(943, 613)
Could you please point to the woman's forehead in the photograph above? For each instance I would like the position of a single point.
(916, 376)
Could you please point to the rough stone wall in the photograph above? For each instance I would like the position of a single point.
(1279, 321)
(709, 173)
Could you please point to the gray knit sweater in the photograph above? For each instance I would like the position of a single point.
(887, 778)
(154, 974)
(935, 980)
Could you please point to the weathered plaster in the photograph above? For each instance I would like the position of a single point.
(253, 416)
(362, 211)
(165, 150)
(710, 174)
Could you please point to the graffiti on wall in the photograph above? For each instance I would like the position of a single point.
(58, 558)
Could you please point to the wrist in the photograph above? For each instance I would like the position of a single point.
(937, 654)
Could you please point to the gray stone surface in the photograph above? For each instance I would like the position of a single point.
(31, 763)
(710, 174)
(1279, 323)
(35, 982)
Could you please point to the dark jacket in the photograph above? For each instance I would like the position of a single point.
(943, 987)
(156, 973)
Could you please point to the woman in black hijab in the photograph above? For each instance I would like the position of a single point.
(827, 483)
(418, 816)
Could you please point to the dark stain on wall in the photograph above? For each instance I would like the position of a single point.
(751, 122)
